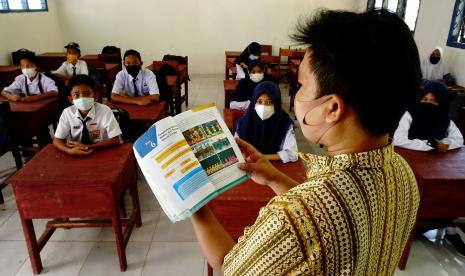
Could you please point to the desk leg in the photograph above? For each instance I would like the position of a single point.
(403, 259)
(135, 203)
(186, 87)
(177, 99)
(120, 246)
(32, 245)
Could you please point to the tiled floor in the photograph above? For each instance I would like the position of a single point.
(158, 247)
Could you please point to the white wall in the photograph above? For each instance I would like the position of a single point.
(432, 30)
(36, 31)
(201, 29)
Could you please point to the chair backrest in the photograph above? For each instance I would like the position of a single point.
(157, 64)
(267, 49)
(298, 54)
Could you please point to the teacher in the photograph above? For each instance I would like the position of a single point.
(356, 210)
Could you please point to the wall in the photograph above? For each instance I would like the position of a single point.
(432, 30)
(36, 31)
(200, 29)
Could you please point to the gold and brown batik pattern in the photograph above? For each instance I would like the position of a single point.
(353, 216)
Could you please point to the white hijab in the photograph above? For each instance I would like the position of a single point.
(433, 71)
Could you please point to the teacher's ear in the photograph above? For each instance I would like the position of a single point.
(334, 109)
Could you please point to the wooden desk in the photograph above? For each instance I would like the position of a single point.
(229, 90)
(230, 57)
(455, 88)
(8, 74)
(31, 117)
(230, 118)
(239, 207)
(141, 117)
(441, 182)
(44, 190)
(50, 61)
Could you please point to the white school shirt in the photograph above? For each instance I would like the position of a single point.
(145, 82)
(240, 73)
(66, 68)
(453, 137)
(288, 148)
(101, 126)
(239, 105)
(18, 87)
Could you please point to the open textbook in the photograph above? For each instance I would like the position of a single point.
(188, 160)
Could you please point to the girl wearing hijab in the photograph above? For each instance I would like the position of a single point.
(252, 52)
(428, 125)
(266, 126)
(246, 86)
(433, 68)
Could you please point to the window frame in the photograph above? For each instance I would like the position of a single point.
(400, 11)
(8, 10)
(451, 42)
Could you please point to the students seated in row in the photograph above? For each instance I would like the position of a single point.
(246, 86)
(31, 85)
(86, 125)
(73, 65)
(134, 84)
(433, 68)
(267, 127)
(253, 51)
(427, 125)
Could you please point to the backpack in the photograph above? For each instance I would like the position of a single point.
(165, 90)
(122, 116)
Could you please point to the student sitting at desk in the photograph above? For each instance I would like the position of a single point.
(134, 84)
(427, 125)
(86, 125)
(252, 52)
(244, 90)
(267, 127)
(31, 85)
(73, 65)
(433, 68)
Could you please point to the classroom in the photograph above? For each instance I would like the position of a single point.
(214, 137)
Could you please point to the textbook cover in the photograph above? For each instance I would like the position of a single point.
(188, 160)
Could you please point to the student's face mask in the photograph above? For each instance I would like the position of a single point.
(264, 111)
(133, 70)
(29, 72)
(257, 77)
(303, 110)
(71, 58)
(253, 57)
(84, 103)
(434, 60)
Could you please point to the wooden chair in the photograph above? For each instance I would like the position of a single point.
(267, 49)
(9, 144)
(178, 98)
(229, 90)
(272, 67)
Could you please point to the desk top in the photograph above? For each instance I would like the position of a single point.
(149, 112)
(53, 167)
(53, 54)
(9, 68)
(230, 84)
(90, 57)
(32, 106)
(436, 166)
(456, 88)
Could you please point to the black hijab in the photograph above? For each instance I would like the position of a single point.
(246, 86)
(253, 49)
(265, 135)
(430, 122)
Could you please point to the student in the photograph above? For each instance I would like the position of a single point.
(244, 90)
(253, 51)
(73, 65)
(355, 212)
(31, 85)
(427, 125)
(433, 67)
(267, 127)
(134, 84)
(86, 125)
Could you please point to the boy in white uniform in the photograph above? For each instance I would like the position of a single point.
(73, 65)
(134, 84)
(86, 125)
(31, 85)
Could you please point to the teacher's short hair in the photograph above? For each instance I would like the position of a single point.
(369, 59)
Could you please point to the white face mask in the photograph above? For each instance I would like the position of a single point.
(264, 111)
(257, 77)
(253, 57)
(29, 72)
(84, 103)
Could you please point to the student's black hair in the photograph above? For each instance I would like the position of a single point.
(81, 80)
(369, 59)
(132, 52)
(29, 56)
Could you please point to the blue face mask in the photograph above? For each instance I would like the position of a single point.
(252, 57)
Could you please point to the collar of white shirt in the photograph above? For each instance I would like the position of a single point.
(35, 80)
(91, 113)
(138, 77)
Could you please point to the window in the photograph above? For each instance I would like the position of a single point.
(406, 9)
(457, 26)
(23, 5)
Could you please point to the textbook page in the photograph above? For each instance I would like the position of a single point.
(213, 144)
(173, 173)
